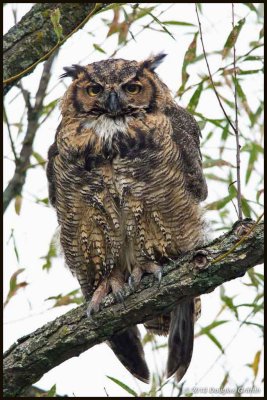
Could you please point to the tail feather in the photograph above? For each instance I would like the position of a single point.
(181, 338)
(128, 348)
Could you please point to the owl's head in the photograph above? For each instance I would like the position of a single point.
(114, 88)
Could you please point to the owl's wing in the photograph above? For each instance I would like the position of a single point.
(186, 134)
(52, 153)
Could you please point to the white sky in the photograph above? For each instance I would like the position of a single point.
(33, 229)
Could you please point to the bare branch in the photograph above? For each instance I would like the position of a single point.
(14, 187)
(73, 333)
(210, 74)
(9, 134)
(239, 206)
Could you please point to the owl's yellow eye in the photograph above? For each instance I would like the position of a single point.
(132, 88)
(94, 90)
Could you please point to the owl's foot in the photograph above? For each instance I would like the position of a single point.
(115, 282)
(98, 296)
(137, 273)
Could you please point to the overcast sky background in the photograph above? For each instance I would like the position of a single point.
(34, 227)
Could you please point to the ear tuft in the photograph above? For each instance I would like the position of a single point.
(73, 71)
(154, 61)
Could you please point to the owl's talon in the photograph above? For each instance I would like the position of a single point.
(93, 308)
(119, 297)
(131, 283)
(158, 275)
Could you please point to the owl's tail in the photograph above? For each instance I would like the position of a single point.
(128, 348)
(181, 338)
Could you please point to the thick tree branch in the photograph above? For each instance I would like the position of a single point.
(73, 333)
(34, 38)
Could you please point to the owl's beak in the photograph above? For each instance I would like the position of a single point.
(113, 104)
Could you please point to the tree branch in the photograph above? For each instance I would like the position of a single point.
(16, 184)
(71, 334)
(33, 39)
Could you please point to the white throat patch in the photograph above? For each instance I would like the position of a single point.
(106, 127)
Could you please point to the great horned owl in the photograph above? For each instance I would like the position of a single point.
(126, 180)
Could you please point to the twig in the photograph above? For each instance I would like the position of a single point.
(9, 134)
(232, 183)
(210, 75)
(230, 251)
(239, 205)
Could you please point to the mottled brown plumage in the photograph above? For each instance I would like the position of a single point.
(126, 180)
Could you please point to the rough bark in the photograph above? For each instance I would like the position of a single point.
(73, 333)
(33, 37)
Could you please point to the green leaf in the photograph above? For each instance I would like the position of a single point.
(243, 98)
(255, 364)
(52, 253)
(232, 38)
(39, 158)
(43, 201)
(216, 178)
(182, 23)
(249, 72)
(202, 125)
(253, 278)
(14, 286)
(228, 301)
(199, 6)
(55, 18)
(259, 193)
(14, 245)
(251, 161)
(225, 381)
(52, 391)
(98, 48)
(74, 297)
(254, 118)
(123, 386)
(193, 103)
(211, 326)
(48, 108)
(255, 324)
(218, 204)
(251, 7)
(18, 202)
(161, 24)
(216, 163)
(189, 57)
(143, 11)
(215, 341)
(225, 132)
(147, 338)
(245, 208)
(253, 58)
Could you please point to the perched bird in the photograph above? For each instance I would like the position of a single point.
(126, 180)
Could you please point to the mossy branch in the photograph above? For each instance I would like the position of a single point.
(71, 334)
(33, 39)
